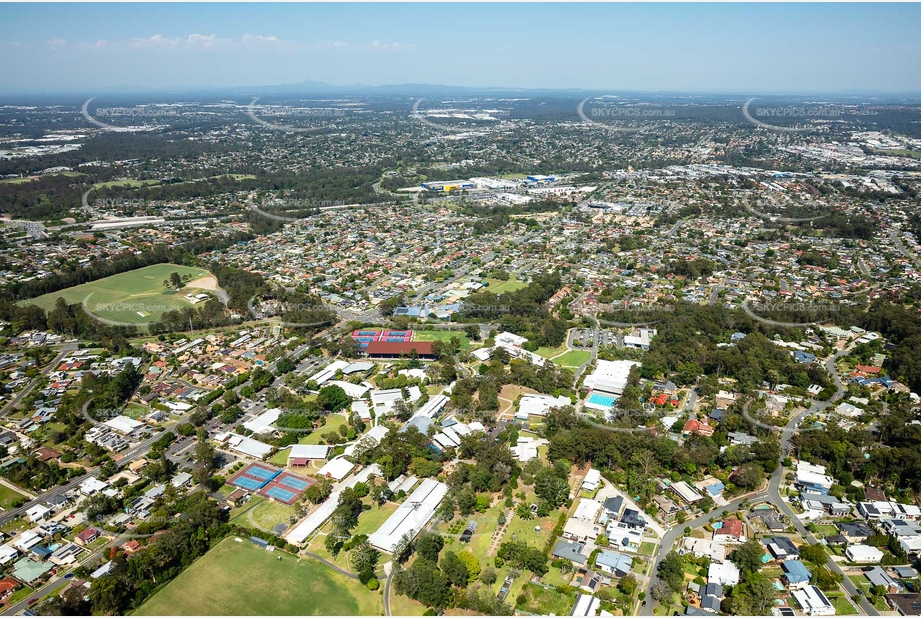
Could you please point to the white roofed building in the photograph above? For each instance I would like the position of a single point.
(411, 516)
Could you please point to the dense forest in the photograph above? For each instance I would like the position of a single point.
(688, 345)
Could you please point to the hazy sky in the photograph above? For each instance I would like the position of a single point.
(757, 49)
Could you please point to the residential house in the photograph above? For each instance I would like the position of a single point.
(795, 574)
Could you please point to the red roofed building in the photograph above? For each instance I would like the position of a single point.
(400, 349)
(7, 586)
(868, 369)
(732, 528)
(694, 426)
(86, 536)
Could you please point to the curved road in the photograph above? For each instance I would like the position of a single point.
(773, 494)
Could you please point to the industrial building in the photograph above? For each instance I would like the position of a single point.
(447, 186)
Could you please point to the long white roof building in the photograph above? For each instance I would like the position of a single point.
(411, 516)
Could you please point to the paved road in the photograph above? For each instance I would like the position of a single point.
(326, 562)
(66, 349)
(387, 592)
(672, 536)
(772, 493)
(56, 582)
(777, 481)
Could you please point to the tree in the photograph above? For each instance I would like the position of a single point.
(403, 549)
(470, 561)
(662, 592)
(748, 556)
(333, 543)
(319, 492)
(748, 475)
(628, 584)
(364, 557)
(175, 280)
(429, 546)
(332, 398)
(671, 570)
(488, 576)
(760, 593)
(552, 489)
(109, 595)
(402, 410)
(815, 554)
(455, 570)
(204, 459)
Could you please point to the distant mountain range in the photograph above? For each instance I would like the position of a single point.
(311, 88)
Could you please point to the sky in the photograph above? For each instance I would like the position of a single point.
(702, 48)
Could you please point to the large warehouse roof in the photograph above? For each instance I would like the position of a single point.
(411, 516)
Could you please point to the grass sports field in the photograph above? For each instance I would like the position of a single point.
(240, 579)
(134, 297)
(497, 286)
(443, 335)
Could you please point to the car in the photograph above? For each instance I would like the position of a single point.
(33, 601)
(68, 575)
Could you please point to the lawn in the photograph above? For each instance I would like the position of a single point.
(240, 579)
(551, 352)
(280, 458)
(573, 358)
(267, 514)
(126, 183)
(647, 549)
(442, 335)
(133, 297)
(497, 286)
(404, 606)
(899, 153)
(332, 424)
(8, 496)
(544, 602)
(842, 605)
(372, 519)
(825, 530)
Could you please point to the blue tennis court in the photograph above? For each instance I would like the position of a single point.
(263, 474)
(294, 483)
(601, 400)
(247, 483)
(367, 333)
(280, 494)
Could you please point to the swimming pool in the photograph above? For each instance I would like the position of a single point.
(602, 400)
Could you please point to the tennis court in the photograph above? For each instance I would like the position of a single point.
(261, 473)
(245, 482)
(285, 488)
(282, 495)
(253, 477)
(294, 483)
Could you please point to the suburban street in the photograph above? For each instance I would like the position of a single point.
(772, 494)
